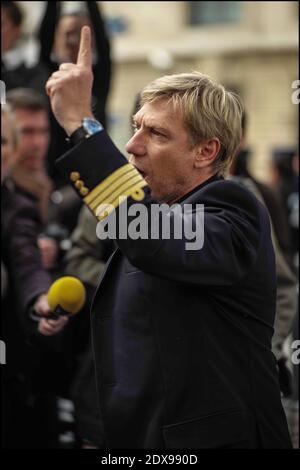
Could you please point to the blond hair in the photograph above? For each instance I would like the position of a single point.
(209, 110)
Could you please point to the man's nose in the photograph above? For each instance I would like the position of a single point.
(73, 39)
(135, 146)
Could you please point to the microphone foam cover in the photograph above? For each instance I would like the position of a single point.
(68, 293)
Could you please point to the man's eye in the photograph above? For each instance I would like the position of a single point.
(155, 132)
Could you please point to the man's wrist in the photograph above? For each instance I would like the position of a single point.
(71, 126)
(89, 127)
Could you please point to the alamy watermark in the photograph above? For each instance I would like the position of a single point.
(155, 222)
(296, 354)
(296, 94)
(295, 357)
(2, 353)
(3, 92)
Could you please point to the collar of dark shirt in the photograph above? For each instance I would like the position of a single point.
(200, 186)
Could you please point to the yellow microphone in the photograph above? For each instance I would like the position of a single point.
(66, 297)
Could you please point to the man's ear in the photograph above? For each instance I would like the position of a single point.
(206, 152)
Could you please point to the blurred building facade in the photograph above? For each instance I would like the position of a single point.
(251, 47)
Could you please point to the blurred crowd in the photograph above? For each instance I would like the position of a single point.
(48, 385)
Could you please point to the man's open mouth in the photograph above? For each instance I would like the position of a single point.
(142, 173)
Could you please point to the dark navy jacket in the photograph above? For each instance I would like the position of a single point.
(182, 339)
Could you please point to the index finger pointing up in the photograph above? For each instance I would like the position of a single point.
(85, 49)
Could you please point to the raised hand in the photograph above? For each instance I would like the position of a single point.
(70, 88)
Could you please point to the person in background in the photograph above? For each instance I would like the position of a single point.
(27, 284)
(29, 174)
(286, 306)
(285, 178)
(17, 70)
(11, 26)
(287, 298)
(271, 196)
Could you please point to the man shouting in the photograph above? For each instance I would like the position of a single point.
(181, 338)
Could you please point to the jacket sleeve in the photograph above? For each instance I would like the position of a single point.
(29, 276)
(86, 257)
(286, 298)
(231, 226)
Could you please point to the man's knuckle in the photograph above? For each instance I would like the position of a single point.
(76, 73)
(66, 66)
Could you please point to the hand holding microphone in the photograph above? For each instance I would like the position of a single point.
(52, 327)
(65, 298)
